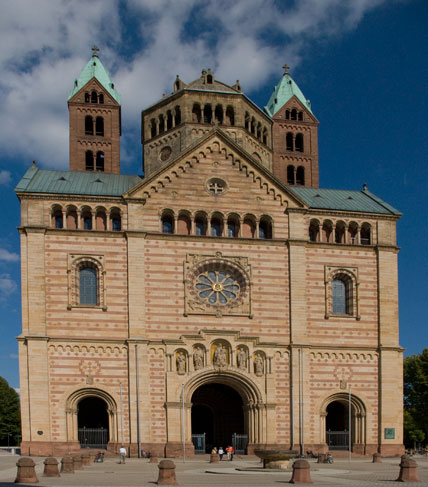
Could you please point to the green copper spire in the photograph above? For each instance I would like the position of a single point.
(95, 69)
(283, 91)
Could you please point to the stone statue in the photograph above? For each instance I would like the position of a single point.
(220, 358)
(258, 365)
(198, 358)
(181, 363)
(242, 358)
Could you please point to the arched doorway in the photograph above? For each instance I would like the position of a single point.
(217, 413)
(337, 425)
(93, 422)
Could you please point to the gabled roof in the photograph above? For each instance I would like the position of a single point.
(44, 181)
(284, 91)
(337, 199)
(95, 69)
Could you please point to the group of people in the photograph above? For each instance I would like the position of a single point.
(230, 451)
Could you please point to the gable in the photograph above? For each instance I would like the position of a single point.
(294, 102)
(93, 85)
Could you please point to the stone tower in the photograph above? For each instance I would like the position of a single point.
(95, 120)
(294, 135)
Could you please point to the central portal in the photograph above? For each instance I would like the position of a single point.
(217, 411)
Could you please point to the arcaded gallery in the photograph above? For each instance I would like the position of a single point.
(222, 298)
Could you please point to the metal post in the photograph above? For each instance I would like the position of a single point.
(183, 424)
(137, 394)
(350, 426)
(121, 414)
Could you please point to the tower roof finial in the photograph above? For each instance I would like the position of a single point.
(95, 51)
(286, 67)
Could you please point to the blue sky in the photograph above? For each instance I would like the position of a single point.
(362, 63)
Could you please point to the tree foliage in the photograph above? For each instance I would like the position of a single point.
(416, 398)
(10, 417)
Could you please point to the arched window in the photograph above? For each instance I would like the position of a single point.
(216, 226)
(89, 160)
(57, 218)
(101, 98)
(287, 114)
(94, 97)
(88, 285)
(101, 219)
(183, 225)
(218, 114)
(71, 218)
(253, 126)
(86, 218)
(167, 223)
(265, 227)
(87, 98)
(161, 124)
(290, 174)
(249, 227)
(289, 145)
(247, 121)
(314, 231)
(116, 221)
(233, 226)
(209, 79)
(265, 136)
(89, 125)
(200, 225)
(353, 233)
(365, 234)
(99, 165)
(230, 115)
(299, 143)
(341, 293)
(340, 232)
(99, 126)
(300, 175)
(327, 230)
(294, 114)
(153, 127)
(300, 116)
(168, 120)
(259, 131)
(208, 113)
(196, 113)
(177, 116)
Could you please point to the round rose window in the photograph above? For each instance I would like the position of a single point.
(217, 287)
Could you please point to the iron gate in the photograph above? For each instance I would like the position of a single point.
(93, 437)
(338, 440)
(240, 443)
(198, 441)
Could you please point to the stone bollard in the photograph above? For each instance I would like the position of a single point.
(321, 458)
(377, 458)
(408, 471)
(77, 462)
(51, 467)
(26, 473)
(301, 473)
(153, 460)
(214, 458)
(86, 459)
(67, 464)
(167, 473)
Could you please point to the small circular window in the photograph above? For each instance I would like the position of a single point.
(217, 287)
(165, 153)
(216, 186)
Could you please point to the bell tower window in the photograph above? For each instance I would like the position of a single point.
(89, 125)
(99, 126)
(89, 160)
(100, 161)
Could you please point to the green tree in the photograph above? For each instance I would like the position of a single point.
(416, 398)
(10, 417)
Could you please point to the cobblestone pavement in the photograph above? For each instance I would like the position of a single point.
(198, 472)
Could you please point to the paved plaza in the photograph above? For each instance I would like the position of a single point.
(199, 472)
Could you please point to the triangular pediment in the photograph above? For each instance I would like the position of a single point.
(215, 156)
(294, 102)
(91, 85)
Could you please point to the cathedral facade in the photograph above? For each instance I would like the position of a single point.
(223, 298)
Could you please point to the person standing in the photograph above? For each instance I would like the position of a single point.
(220, 453)
(122, 454)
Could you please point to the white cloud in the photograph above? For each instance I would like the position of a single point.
(44, 45)
(8, 256)
(13, 356)
(7, 286)
(5, 177)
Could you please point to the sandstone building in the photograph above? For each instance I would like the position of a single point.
(222, 298)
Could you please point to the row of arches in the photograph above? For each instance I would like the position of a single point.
(94, 97)
(293, 114)
(209, 114)
(165, 121)
(255, 128)
(216, 224)
(94, 126)
(294, 142)
(94, 161)
(340, 232)
(86, 218)
(296, 175)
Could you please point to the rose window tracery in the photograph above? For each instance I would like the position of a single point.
(217, 287)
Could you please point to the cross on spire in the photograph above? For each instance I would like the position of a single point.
(286, 67)
(95, 50)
